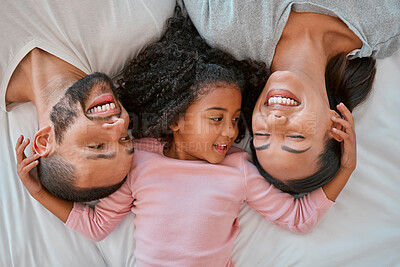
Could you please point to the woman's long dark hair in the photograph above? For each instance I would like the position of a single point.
(349, 82)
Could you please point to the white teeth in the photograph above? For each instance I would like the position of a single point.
(102, 108)
(282, 100)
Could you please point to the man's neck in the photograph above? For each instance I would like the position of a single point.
(41, 78)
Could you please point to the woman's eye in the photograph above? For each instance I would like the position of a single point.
(99, 146)
(296, 136)
(235, 119)
(262, 134)
(217, 119)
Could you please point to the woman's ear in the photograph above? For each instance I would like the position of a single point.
(335, 125)
(42, 144)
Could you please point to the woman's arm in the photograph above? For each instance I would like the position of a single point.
(303, 214)
(95, 223)
(349, 153)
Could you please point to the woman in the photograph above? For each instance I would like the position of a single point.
(320, 53)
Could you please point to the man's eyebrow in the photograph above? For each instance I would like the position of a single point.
(130, 151)
(263, 147)
(291, 150)
(102, 156)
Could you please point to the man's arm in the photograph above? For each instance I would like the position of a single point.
(94, 223)
(26, 168)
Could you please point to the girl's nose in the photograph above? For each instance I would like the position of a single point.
(229, 130)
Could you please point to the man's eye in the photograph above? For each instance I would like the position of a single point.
(218, 119)
(126, 138)
(99, 146)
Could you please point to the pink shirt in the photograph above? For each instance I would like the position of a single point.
(186, 212)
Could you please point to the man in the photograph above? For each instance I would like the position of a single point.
(49, 51)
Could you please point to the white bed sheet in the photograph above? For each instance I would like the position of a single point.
(362, 229)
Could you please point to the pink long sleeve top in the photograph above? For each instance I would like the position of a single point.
(186, 212)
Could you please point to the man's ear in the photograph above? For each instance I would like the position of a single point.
(42, 144)
(336, 125)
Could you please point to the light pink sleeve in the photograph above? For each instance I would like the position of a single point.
(297, 215)
(96, 223)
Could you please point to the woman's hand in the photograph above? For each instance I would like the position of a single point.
(26, 167)
(348, 135)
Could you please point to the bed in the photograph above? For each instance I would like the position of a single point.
(362, 229)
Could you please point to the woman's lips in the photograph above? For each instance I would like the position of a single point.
(281, 97)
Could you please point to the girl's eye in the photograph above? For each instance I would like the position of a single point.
(236, 119)
(218, 119)
(99, 146)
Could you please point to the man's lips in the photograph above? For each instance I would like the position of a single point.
(281, 97)
(103, 105)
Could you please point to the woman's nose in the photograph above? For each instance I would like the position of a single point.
(275, 121)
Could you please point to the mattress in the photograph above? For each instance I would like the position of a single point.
(362, 229)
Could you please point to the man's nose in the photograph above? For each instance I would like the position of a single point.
(114, 128)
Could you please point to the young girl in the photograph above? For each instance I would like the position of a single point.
(186, 209)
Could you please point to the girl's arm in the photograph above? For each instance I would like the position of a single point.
(95, 223)
(26, 168)
(303, 214)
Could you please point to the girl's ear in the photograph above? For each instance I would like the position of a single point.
(174, 127)
(42, 144)
(335, 125)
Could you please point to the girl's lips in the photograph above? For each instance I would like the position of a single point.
(221, 148)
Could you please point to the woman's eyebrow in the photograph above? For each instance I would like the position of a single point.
(291, 150)
(263, 147)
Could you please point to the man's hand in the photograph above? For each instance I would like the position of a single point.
(26, 167)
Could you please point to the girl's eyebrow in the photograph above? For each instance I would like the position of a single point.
(223, 109)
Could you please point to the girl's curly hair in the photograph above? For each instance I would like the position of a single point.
(169, 75)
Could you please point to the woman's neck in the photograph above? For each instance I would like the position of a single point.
(310, 40)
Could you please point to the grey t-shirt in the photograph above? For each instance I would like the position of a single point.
(252, 28)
